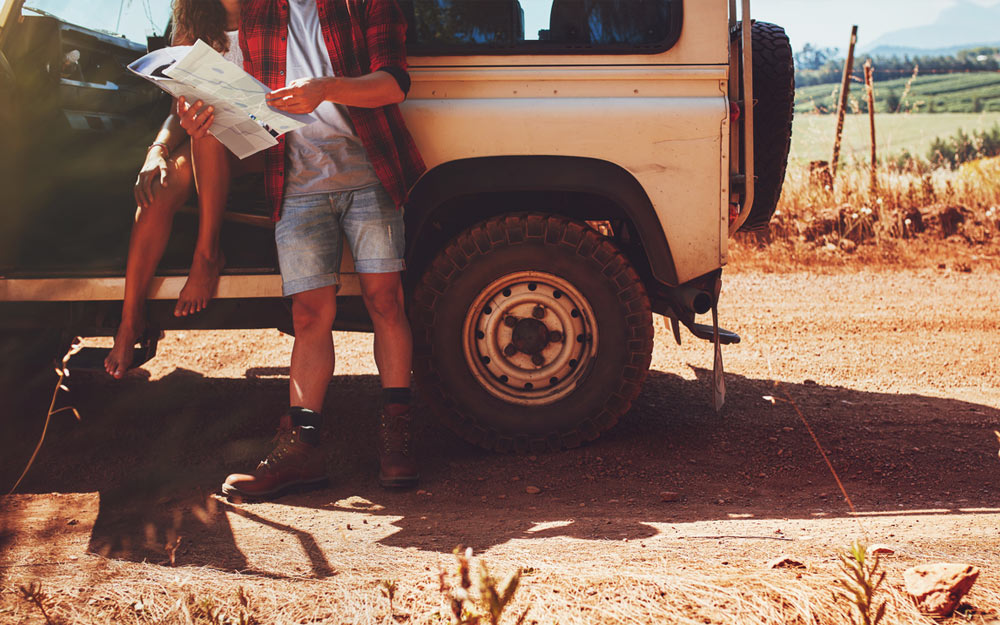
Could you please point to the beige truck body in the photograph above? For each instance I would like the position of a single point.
(664, 118)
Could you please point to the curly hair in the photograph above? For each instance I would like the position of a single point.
(201, 19)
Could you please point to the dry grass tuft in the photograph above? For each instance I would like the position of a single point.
(576, 593)
(914, 216)
(62, 372)
(32, 592)
(860, 580)
(471, 604)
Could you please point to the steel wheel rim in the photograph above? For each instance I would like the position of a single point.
(523, 361)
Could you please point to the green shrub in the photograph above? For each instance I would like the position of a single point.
(962, 147)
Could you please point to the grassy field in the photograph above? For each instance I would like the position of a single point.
(812, 135)
(940, 93)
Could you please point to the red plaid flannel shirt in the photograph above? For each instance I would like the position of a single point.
(362, 36)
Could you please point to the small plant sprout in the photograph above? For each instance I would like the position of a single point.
(859, 582)
(206, 610)
(495, 599)
(62, 371)
(484, 603)
(388, 588)
(171, 548)
(33, 593)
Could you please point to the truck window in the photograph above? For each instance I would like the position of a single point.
(449, 27)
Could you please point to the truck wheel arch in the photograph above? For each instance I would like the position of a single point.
(438, 197)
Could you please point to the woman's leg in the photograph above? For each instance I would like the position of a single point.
(212, 173)
(146, 246)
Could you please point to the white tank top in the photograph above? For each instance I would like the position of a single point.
(235, 55)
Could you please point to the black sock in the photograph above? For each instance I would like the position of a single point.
(397, 396)
(308, 423)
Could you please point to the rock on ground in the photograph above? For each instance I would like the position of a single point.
(937, 589)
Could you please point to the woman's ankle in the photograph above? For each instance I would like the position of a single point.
(130, 327)
(206, 253)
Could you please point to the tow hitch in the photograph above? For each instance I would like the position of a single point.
(679, 305)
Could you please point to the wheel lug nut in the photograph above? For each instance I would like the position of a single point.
(555, 336)
(510, 321)
(510, 351)
(538, 360)
(538, 312)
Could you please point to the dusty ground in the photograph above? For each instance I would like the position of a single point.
(896, 371)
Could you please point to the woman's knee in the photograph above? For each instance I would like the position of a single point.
(208, 143)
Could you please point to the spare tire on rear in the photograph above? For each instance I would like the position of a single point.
(774, 106)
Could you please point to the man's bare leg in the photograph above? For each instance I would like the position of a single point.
(297, 460)
(313, 314)
(212, 174)
(148, 241)
(383, 295)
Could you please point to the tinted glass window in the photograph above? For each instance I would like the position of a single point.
(529, 26)
(132, 19)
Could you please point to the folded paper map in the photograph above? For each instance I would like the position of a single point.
(244, 122)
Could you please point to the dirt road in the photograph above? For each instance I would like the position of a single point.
(898, 374)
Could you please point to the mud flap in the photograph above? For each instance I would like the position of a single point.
(675, 325)
(718, 373)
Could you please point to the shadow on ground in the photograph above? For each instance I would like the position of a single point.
(156, 451)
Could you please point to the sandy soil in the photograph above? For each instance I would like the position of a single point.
(897, 373)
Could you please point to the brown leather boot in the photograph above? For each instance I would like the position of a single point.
(293, 465)
(396, 459)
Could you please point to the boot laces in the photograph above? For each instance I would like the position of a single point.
(283, 439)
(396, 434)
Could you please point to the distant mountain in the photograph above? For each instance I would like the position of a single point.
(964, 25)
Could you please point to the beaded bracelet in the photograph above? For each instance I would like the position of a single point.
(160, 144)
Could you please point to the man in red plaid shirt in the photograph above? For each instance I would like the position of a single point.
(343, 176)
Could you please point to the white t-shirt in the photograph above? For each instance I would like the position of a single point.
(234, 54)
(326, 155)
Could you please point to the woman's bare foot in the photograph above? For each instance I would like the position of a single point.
(119, 361)
(200, 286)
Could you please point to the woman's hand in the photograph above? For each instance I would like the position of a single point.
(302, 96)
(154, 174)
(196, 118)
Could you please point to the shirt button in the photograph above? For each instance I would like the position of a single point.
(281, 73)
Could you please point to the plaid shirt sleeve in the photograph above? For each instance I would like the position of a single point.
(385, 34)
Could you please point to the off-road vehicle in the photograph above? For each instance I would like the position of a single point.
(588, 161)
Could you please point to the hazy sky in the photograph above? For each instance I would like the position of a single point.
(828, 22)
(823, 22)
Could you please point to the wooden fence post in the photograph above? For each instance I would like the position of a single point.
(870, 92)
(845, 88)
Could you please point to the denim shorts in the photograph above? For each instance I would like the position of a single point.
(311, 232)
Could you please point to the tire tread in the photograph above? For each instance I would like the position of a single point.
(510, 230)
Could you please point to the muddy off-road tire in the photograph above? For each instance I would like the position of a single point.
(774, 94)
(531, 332)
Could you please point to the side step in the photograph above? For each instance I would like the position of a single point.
(92, 358)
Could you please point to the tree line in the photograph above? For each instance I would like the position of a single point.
(817, 66)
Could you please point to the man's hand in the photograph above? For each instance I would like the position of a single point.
(153, 175)
(196, 118)
(302, 96)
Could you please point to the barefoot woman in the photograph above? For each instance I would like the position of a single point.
(174, 167)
